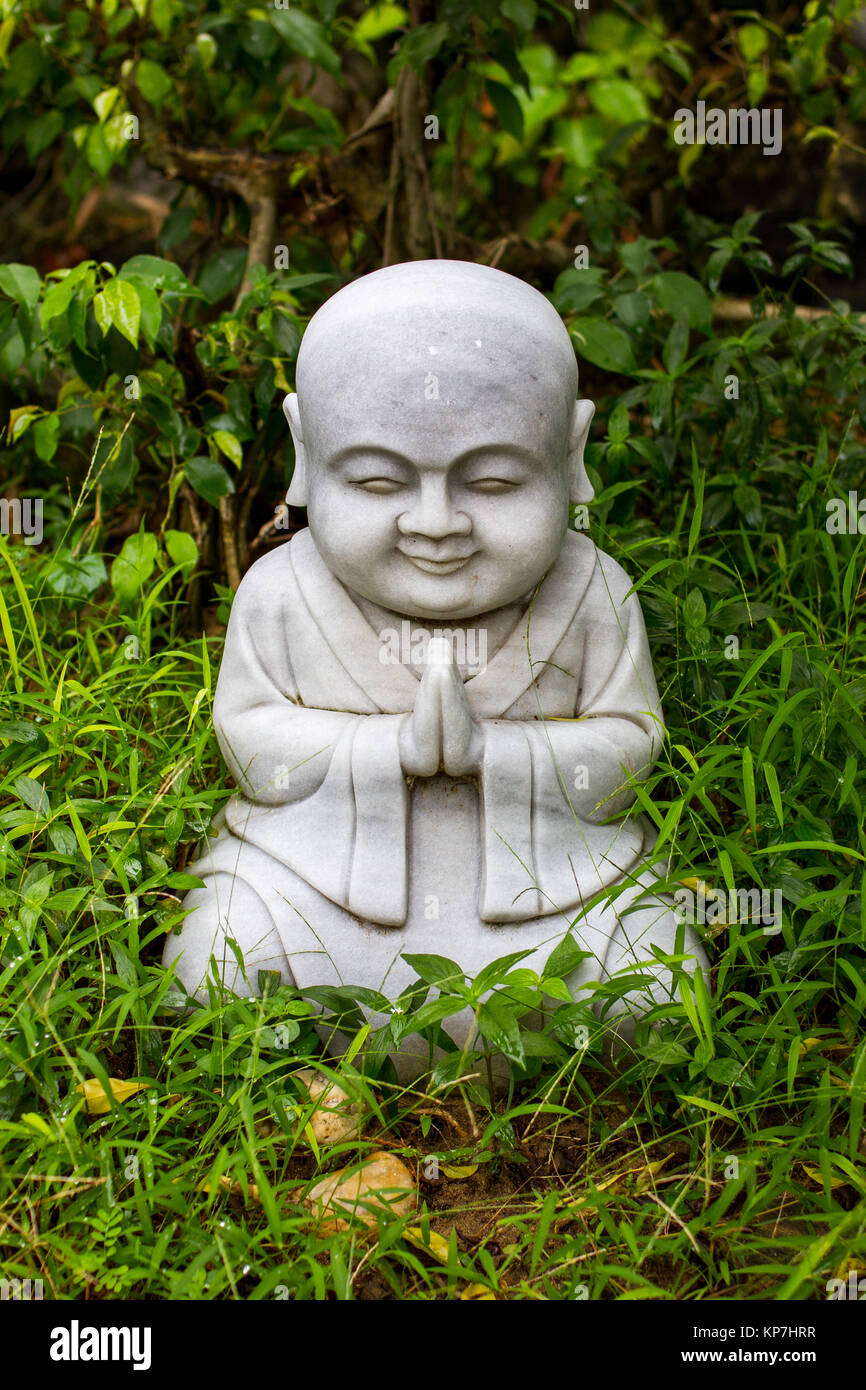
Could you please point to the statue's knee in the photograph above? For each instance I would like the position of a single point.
(226, 939)
(631, 953)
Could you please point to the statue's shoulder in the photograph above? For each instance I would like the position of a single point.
(607, 574)
(273, 576)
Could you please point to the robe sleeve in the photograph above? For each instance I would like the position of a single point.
(549, 785)
(618, 731)
(321, 790)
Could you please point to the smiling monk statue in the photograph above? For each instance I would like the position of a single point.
(436, 700)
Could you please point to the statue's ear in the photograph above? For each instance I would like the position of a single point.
(581, 487)
(297, 493)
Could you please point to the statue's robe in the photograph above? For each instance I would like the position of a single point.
(308, 710)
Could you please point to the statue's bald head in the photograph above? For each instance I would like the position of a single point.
(464, 323)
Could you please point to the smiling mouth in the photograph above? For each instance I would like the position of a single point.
(438, 566)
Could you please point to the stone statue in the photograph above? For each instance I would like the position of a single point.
(434, 699)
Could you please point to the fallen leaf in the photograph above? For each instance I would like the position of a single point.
(435, 1245)
(232, 1186)
(458, 1170)
(818, 1177)
(478, 1292)
(98, 1103)
(648, 1172)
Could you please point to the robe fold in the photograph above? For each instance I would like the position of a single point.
(308, 712)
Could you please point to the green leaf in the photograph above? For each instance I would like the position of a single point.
(104, 103)
(419, 47)
(564, 958)
(633, 309)
(183, 550)
(752, 39)
(521, 12)
(577, 289)
(747, 500)
(603, 344)
(63, 841)
(507, 108)
(664, 1053)
(677, 344)
(494, 973)
(20, 731)
(306, 36)
(676, 292)
(694, 609)
(435, 1011)
(45, 433)
(222, 274)
(229, 444)
(208, 478)
(21, 283)
(152, 81)
(435, 970)
(59, 293)
(42, 132)
(33, 794)
(158, 273)
(115, 463)
(75, 577)
(618, 100)
(498, 1026)
(119, 306)
(377, 21)
(133, 566)
(175, 228)
(619, 425)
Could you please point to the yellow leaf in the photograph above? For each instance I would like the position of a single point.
(478, 1292)
(20, 419)
(456, 1170)
(279, 374)
(7, 28)
(98, 1103)
(609, 1182)
(437, 1245)
(648, 1172)
(818, 1177)
(231, 1186)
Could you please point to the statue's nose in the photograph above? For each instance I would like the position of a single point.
(433, 514)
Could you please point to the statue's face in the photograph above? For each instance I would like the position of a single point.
(437, 488)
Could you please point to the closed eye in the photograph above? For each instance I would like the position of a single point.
(381, 486)
(493, 484)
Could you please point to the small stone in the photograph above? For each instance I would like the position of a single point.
(336, 1116)
(382, 1183)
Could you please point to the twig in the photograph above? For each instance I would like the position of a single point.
(740, 311)
(228, 535)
